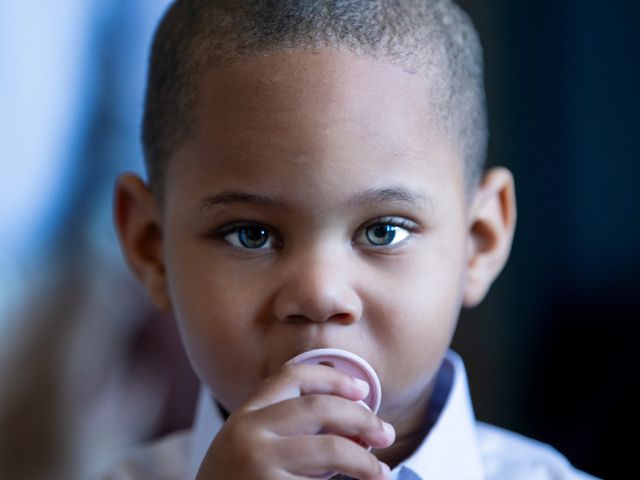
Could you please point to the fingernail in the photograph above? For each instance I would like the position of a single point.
(385, 469)
(362, 385)
(388, 429)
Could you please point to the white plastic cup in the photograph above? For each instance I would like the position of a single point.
(351, 364)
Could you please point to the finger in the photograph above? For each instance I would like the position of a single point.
(313, 414)
(293, 381)
(316, 455)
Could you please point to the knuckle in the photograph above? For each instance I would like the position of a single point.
(237, 433)
(247, 446)
(378, 423)
(288, 370)
(372, 421)
(331, 446)
(315, 403)
(371, 467)
(366, 417)
(286, 374)
(245, 427)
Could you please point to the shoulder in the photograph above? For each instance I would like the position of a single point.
(165, 459)
(510, 455)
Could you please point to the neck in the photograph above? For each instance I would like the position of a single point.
(408, 439)
(412, 425)
(414, 422)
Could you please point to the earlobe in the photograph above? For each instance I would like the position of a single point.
(138, 223)
(492, 220)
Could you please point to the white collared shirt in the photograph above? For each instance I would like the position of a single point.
(456, 448)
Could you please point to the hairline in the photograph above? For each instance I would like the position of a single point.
(457, 69)
(196, 87)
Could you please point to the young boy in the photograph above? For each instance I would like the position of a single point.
(316, 179)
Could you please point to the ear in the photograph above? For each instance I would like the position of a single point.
(139, 225)
(492, 221)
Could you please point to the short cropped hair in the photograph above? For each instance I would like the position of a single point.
(433, 38)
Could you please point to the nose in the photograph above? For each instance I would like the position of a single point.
(317, 290)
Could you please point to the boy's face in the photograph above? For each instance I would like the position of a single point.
(315, 150)
(316, 205)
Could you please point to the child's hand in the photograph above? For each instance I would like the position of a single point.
(276, 433)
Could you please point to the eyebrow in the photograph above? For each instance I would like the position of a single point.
(390, 195)
(227, 198)
(367, 197)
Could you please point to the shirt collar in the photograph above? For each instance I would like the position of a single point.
(207, 423)
(449, 452)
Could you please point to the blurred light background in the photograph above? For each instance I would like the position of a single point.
(87, 369)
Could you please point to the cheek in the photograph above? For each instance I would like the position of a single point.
(218, 327)
(416, 318)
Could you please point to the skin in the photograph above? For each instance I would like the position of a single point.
(316, 148)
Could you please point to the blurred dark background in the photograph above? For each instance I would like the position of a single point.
(550, 353)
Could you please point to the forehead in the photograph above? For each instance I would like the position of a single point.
(319, 88)
(313, 112)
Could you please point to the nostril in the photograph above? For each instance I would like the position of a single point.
(342, 318)
(307, 304)
(327, 364)
(297, 319)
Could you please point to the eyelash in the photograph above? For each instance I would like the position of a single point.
(395, 222)
(236, 228)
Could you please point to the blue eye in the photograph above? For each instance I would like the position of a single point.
(249, 236)
(384, 234)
